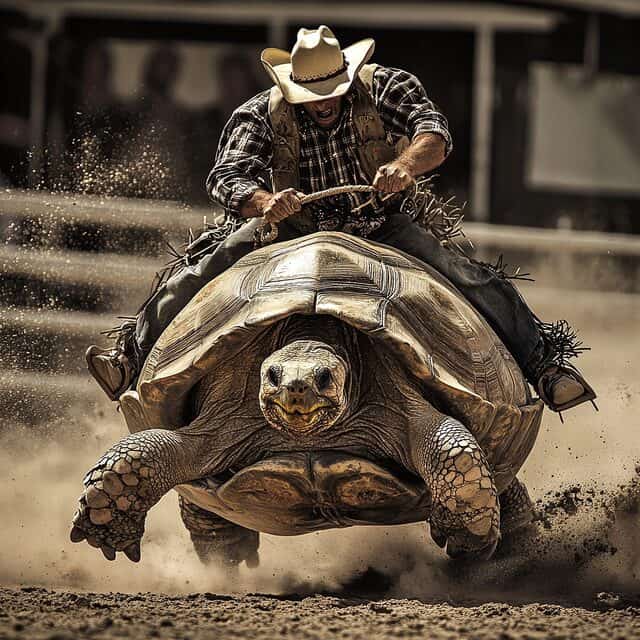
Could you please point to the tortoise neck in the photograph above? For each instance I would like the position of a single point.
(320, 328)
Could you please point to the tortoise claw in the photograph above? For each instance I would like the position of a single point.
(77, 534)
(93, 541)
(133, 552)
(108, 552)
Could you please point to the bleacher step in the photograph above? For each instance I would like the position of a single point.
(40, 398)
(74, 279)
(45, 340)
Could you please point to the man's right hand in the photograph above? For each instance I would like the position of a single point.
(281, 205)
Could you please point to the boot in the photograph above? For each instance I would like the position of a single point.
(562, 388)
(111, 368)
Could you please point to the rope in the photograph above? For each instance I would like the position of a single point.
(268, 232)
(336, 191)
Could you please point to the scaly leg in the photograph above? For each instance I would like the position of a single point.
(516, 508)
(217, 540)
(465, 510)
(127, 481)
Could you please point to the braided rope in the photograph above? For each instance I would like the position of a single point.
(336, 191)
(268, 232)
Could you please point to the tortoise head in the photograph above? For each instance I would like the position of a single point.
(303, 388)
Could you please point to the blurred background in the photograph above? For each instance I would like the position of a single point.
(128, 98)
(110, 113)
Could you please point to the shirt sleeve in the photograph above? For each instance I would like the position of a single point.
(243, 157)
(405, 108)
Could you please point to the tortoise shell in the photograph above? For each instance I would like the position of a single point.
(394, 298)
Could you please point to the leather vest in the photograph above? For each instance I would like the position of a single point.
(375, 146)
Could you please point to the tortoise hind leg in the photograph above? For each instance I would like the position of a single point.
(516, 508)
(465, 512)
(217, 540)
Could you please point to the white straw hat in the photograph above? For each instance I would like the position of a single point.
(317, 68)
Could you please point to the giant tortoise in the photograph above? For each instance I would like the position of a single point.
(324, 382)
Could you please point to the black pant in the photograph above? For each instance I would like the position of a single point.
(494, 297)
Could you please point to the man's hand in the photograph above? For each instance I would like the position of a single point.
(424, 154)
(392, 178)
(281, 205)
(273, 206)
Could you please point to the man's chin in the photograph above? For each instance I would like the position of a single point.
(326, 124)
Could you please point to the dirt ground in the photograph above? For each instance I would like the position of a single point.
(61, 616)
(575, 575)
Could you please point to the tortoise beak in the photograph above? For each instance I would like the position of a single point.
(299, 406)
(300, 410)
(298, 403)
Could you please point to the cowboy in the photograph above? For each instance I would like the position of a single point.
(332, 119)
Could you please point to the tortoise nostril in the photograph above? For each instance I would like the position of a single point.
(298, 387)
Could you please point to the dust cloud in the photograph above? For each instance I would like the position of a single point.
(582, 472)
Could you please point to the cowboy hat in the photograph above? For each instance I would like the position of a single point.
(316, 68)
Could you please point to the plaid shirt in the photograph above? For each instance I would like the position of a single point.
(328, 158)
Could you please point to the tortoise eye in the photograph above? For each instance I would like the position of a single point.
(273, 374)
(323, 378)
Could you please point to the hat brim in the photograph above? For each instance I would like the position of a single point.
(277, 64)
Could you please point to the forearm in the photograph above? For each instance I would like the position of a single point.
(231, 189)
(243, 157)
(424, 154)
(254, 205)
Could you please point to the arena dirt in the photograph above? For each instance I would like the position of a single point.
(576, 573)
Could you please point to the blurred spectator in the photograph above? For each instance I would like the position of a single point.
(152, 147)
(100, 127)
(157, 156)
(15, 70)
(134, 150)
(234, 74)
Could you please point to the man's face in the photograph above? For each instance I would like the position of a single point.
(324, 113)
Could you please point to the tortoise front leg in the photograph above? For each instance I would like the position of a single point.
(126, 482)
(465, 509)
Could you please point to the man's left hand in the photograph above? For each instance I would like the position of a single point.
(392, 178)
